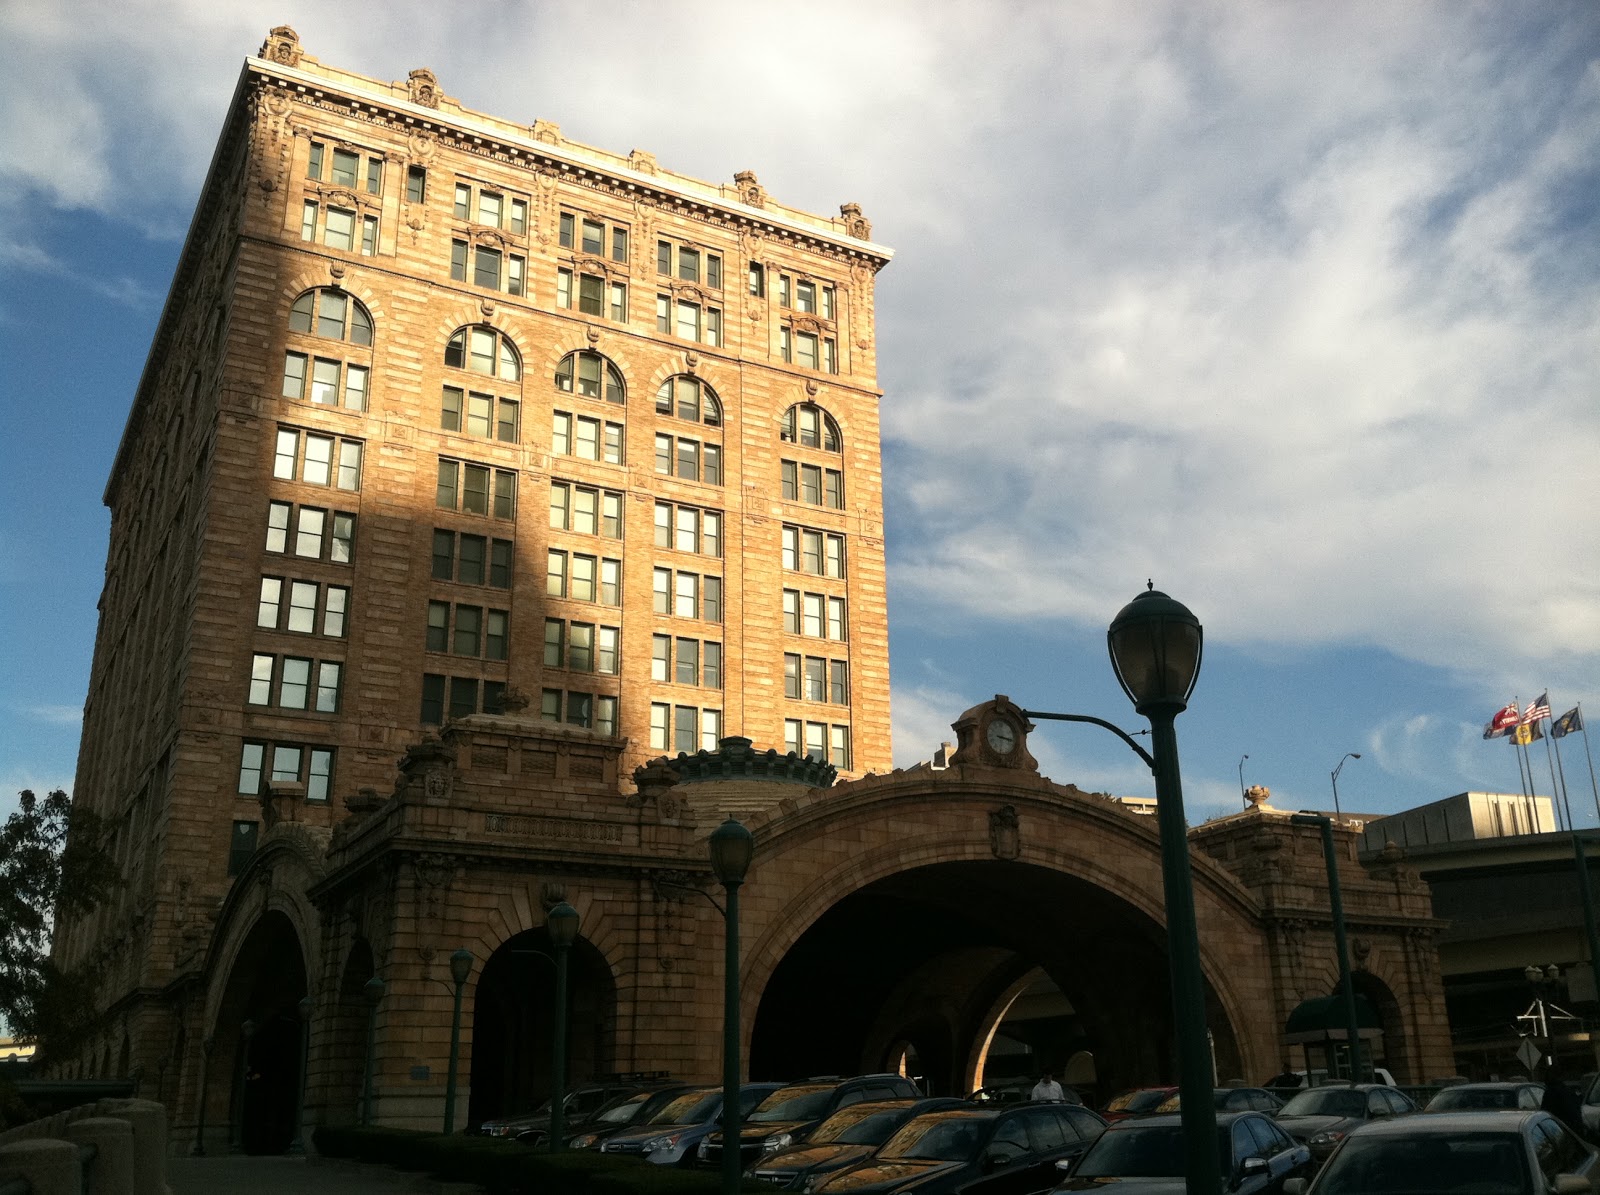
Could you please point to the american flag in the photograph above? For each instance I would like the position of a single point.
(1537, 709)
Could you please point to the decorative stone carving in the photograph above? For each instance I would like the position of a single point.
(750, 191)
(643, 161)
(855, 223)
(433, 876)
(514, 701)
(422, 146)
(1005, 832)
(282, 46)
(551, 893)
(1361, 949)
(1257, 795)
(423, 87)
(547, 131)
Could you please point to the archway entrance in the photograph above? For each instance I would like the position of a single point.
(513, 1024)
(940, 963)
(258, 1026)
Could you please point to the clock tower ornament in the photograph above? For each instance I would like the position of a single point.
(994, 735)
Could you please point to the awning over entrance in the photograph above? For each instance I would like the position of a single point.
(1322, 1019)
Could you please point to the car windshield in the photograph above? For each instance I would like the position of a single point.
(623, 1111)
(793, 1103)
(1138, 1101)
(1431, 1164)
(690, 1107)
(1456, 1099)
(859, 1124)
(1173, 1103)
(1326, 1101)
(1143, 1151)
(941, 1138)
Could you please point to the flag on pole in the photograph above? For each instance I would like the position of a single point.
(1506, 718)
(1537, 709)
(1492, 731)
(1569, 722)
(1526, 733)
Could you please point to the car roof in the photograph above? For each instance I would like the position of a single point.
(1484, 1120)
(1501, 1085)
(1176, 1118)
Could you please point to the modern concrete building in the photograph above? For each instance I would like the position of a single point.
(494, 516)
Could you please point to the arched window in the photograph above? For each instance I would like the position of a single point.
(333, 314)
(590, 376)
(484, 350)
(472, 407)
(689, 398)
(810, 426)
(330, 314)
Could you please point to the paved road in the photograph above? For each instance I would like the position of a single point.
(280, 1176)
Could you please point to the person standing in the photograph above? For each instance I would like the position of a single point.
(1047, 1089)
(1561, 1101)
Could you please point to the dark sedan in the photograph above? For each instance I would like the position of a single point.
(849, 1136)
(1323, 1116)
(973, 1151)
(673, 1134)
(1146, 1156)
(1232, 1099)
(1485, 1153)
(1138, 1102)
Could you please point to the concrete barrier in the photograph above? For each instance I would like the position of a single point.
(111, 1173)
(149, 1121)
(50, 1166)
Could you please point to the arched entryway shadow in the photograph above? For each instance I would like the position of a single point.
(513, 1024)
(258, 1025)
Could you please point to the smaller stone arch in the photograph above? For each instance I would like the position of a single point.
(690, 398)
(811, 425)
(486, 350)
(591, 374)
(332, 313)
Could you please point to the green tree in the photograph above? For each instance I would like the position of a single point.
(54, 862)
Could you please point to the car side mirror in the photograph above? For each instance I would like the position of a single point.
(1254, 1166)
(994, 1162)
(1065, 1165)
(1295, 1186)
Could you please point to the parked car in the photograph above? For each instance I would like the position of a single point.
(1487, 1097)
(1138, 1102)
(1231, 1099)
(1323, 1116)
(850, 1135)
(1018, 1091)
(675, 1132)
(634, 1112)
(581, 1105)
(973, 1151)
(1491, 1153)
(1146, 1155)
(787, 1116)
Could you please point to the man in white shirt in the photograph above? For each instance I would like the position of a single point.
(1047, 1089)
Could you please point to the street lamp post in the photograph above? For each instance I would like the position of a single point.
(561, 923)
(305, 1008)
(1348, 755)
(1155, 645)
(248, 1031)
(1242, 796)
(1347, 984)
(460, 968)
(373, 989)
(732, 846)
(206, 1043)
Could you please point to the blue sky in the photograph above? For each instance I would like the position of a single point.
(1294, 308)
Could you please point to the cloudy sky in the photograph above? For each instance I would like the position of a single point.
(1291, 307)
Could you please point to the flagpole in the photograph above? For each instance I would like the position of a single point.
(1559, 794)
(1596, 787)
(1565, 796)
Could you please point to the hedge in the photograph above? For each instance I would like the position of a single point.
(507, 1167)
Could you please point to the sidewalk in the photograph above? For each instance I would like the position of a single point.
(286, 1176)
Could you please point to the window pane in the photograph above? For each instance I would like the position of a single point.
(662, 589)
(486, 267)
(619, 244)
(294, 375)
(475, 489)
(593, 238)
(688, 662)
(556, 574)
(267, 604)
(285, 765)
(471, 570)
(308, 535)
(687, 596)
(500, 564)
(507, 427)
(284, 454)
(463, 696)
(689, 460)
(260, 680)
(710, 729)
(685, 720)
(689, 265)
(583, 578)
(445, 492)
(432, 700)
(416, 180)
(303, 607)
(611, 582)
(791, 676)
(712, 654)
(349, 465)
(325, 382)
(580, 647)
(344, 536)
(320, 778)
(664, 455)
(331, 307)
(505, 495)
(295, 684)
(339, 229)
(250, 760)
(711, 594)
(554, 630)
(469, 624)
(328, 674)
(334, 607)
(568, 230)
(355, 388)
(480, 410)
(561, 434)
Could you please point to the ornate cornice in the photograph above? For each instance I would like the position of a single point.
(736, 759)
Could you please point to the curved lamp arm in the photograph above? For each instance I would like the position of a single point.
(1116, 730)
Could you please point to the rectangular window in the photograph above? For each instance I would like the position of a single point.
(663, 314)
(438, 626)
(591, 294)
(611, 582)
(811, 484)
(556, 574)
(486, 267)
(785, 291)
(319, 779)
(308, 534)
(458, 261)
(294, 683)
(688, 662)
(805, 350)
(594, 236)
(619, 244)
(345, 165)
(816, 679)
(711, 599)
(339, 229)
(827, 302)
(463, 203)
(605, 715)
(581, 586)
(785, 344)
(448, 485)
(344, 538)
(369, 236)
(791, 676)
(664, 257)
(812, 615)
(463, 696)
(561, 434)
(349, 476)
(619, 301)
(285, 764)
(689, 460)
(516, 274)
(308, 221)
(496, 634)
(314, 161)
(432, 700)
(816, 741)
(325, 382)
(688, 597)
(550, 705)
(335, 607)
(689, 265)
(836, 620)
(793, 735)
(660, 715)
(839, 682)
(661, 657)
(663, 591)
(328, 677)
(758, 280)
(568, 230)
(303, 607)
(416, 183)
(564, 288)
(606, 649)
(499, 563)
(611, 514)
(241, 845)
(685, 728)
(839, 747)
(664, 454)
(490, 207)
(519, 217)
(469, 628)
(791, 612)
(317, 466)
(554, 636)
(269, 601)
(250, 764)
(710, 729)
(830, 355)
(260, 680)
(471, 571)
(294, 375)
(711, 655)
(580, 647)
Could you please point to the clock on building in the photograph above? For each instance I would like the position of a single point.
(994, 734)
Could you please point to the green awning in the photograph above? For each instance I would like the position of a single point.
(1323, 1019)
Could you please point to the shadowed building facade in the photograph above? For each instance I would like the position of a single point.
(555, 476)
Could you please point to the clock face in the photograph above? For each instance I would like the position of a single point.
(1002, 736)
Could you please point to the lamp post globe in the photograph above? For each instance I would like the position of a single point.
(461, 965)
(1155, 645)
(460, 968)
(732, 847)
(561, 923)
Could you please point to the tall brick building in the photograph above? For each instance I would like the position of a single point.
(447, 412)
(494, 515)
